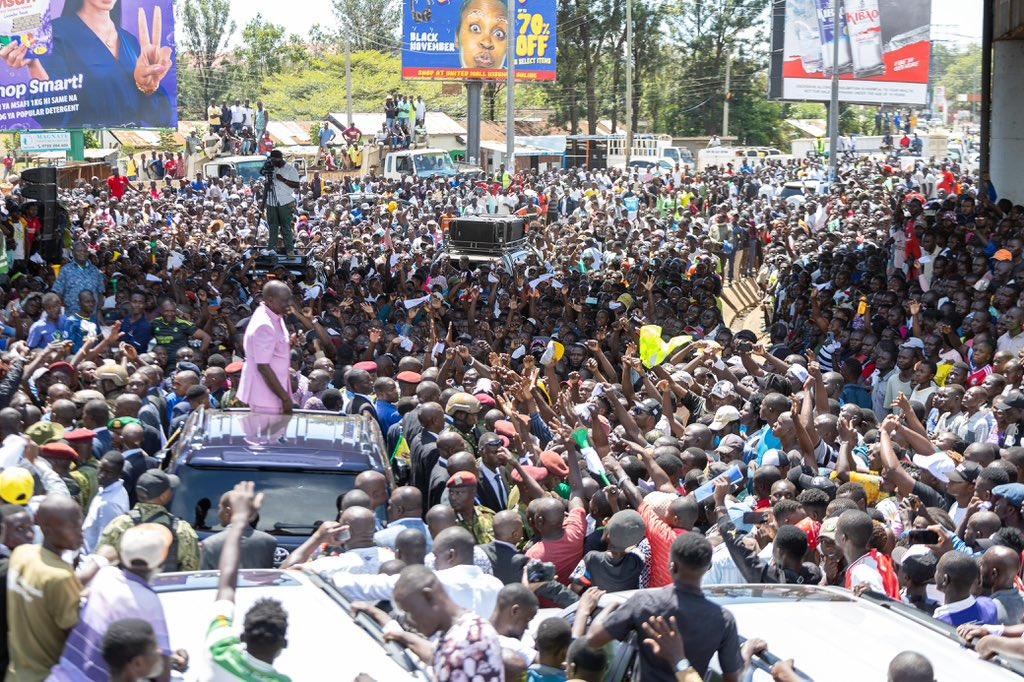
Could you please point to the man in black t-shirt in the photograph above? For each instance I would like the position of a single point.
(706, 628)
(618, 568)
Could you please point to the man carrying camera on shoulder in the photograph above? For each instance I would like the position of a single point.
(284, 179)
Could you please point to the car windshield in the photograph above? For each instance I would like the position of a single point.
(199, 494)
(249, 170)
(433, 163)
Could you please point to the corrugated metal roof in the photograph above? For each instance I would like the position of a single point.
(289, 133)
(143, 139)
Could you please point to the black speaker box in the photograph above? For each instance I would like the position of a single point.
(483, 231)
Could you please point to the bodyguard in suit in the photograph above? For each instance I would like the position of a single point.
(506, 559)
(493, 488)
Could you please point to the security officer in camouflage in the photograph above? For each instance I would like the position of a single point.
(154, 490)
(463, 410)
(475, 518)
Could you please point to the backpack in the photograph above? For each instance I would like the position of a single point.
(170, 522)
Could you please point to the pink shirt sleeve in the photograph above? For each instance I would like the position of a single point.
(260, 348)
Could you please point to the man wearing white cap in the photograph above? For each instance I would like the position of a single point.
(116, 593)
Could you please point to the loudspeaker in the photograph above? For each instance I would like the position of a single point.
(483, 232)
(40, 184)
(44, 175)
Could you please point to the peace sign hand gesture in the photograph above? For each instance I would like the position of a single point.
(154, 61)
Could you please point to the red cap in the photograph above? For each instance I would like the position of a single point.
(79, 435)
(62, 367)
(409, 377)
(234, 368)
(59, 450)
(553, 462)
(462, 478)
(536, 473)
(366, 366)
(503, 427)
(486, 399)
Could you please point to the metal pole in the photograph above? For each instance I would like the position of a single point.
(510, 92)
(473, 89)
(985, 125)
(833, 105)
(725, 103)
(629, 80)
(348, 80)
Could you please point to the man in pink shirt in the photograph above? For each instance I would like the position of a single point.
(265, 385)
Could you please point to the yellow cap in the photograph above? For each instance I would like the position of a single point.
(16, 485)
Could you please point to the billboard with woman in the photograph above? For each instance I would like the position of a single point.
(87, 64)
(471, 39)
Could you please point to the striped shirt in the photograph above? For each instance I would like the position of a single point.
(113, 595)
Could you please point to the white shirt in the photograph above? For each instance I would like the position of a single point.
(237, 113)
(109, 503)
(365, 560)
(497, 485)
(284, 194)
(1010, 344)
(467, 586)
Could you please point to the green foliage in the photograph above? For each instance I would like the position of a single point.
(804, 110)
(369, 24)
(206, 29)
(167, 141)
(92, 139)
(962, 74)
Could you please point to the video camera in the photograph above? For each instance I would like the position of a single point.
(269, 168)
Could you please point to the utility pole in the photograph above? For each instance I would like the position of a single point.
(629, 80)
(348, 80)
(833, 105)
(510, 92)
(725, 102)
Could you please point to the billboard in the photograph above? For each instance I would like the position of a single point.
(469, 39)
(884, 51)
(87, 64)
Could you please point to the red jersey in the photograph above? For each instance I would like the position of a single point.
(118, 186)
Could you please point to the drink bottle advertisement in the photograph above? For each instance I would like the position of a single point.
(883, 57)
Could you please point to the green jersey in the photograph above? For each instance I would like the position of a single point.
(229, 661)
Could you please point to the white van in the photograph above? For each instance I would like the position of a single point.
(423, 163)
(245, 167)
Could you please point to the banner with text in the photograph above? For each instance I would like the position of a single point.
(883, 57)
(87, 64)
(468, 40)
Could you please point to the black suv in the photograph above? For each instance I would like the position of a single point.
(303, 463)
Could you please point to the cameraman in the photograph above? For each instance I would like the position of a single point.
(281, 199)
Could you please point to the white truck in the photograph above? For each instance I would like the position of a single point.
(424, 163)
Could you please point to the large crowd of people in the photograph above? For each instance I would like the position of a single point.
(585, 422)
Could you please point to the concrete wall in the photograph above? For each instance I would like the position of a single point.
(1007, 147)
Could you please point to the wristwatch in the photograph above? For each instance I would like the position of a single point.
(683, 665)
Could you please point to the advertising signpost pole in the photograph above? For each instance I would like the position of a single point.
(833, 105)
(510, 93)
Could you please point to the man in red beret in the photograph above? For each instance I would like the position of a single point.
(87, 469)
(59, 455)
(476, 519)
(407, 383)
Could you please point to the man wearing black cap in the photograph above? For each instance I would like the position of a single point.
(154, 490)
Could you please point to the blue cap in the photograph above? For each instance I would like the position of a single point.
(1011, 492)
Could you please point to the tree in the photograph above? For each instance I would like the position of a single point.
(206, 28)
(962, 76)
(261, 55)
(369, 24)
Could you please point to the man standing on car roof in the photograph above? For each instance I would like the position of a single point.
(265, 385)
